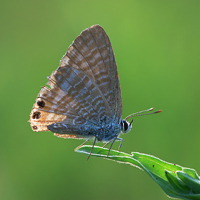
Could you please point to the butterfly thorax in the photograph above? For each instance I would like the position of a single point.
(106, 132)
(103, 132)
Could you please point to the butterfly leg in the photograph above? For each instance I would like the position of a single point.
(92, 148)
(116, 139)
(120, 143)
(82, 144)
(111, 145)
(106, 144)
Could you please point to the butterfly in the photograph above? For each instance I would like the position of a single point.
(82, 99)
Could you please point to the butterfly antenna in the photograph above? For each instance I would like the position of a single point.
(138, 113)
(92, 148)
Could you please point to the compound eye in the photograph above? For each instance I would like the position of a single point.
(125, 125)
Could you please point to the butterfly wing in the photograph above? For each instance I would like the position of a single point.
(92, 52)
(84, 90)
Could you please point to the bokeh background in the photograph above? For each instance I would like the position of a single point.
(157, 45)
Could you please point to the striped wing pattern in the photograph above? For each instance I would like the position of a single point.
(84, 90)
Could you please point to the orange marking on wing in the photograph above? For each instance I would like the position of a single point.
(68, 136)
(39, 120)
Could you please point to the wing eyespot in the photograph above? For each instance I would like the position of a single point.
(34, 127)
(41, 104)
(36, 115)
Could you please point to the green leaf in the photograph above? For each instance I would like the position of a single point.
(193, 183)
(176, 181)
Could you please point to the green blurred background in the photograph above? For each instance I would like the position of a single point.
(157, 45)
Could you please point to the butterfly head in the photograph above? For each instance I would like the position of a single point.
(126, 126)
